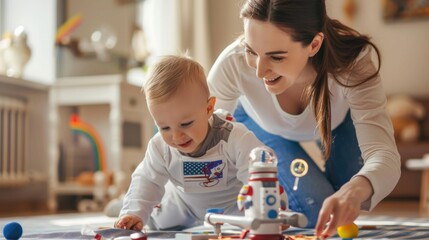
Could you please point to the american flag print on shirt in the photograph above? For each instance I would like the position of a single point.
(205, 174)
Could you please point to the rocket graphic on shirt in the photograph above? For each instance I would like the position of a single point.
(206, 174)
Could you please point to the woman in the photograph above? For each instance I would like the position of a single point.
(297, 75)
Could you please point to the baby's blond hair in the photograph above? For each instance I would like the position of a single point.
(170, 74)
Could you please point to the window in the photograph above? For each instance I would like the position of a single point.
(1, 18)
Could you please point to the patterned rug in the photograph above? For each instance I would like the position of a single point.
(68, 226)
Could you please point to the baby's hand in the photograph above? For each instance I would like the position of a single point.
(129, 222)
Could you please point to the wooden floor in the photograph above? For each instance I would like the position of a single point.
(398, 208)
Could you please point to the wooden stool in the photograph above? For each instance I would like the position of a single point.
(424, 189)
(423, 165)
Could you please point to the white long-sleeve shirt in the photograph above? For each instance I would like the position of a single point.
(212, 179)
(231, 80)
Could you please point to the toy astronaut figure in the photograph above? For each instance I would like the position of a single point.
(263, 200)
(263, 197)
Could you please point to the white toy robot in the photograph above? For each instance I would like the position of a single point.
(262, 201)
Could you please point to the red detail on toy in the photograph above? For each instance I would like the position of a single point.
(97, 236)
(249, 191)
(263, 179)
(282, 190)
(244, 233)
(259, 172)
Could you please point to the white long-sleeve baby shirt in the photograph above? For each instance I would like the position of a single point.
(212, 178)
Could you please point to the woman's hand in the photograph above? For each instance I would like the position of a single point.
(343, 207)
(129, 222)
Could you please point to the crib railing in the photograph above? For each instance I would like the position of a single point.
(13, 141)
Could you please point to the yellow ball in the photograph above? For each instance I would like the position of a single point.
(348, 231)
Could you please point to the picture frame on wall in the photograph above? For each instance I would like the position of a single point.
(405, 9)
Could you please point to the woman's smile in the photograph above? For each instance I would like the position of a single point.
(272, 81)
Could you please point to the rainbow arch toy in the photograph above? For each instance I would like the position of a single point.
(68, 27)
(80, 127)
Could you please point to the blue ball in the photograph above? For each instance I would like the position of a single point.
(12, 231)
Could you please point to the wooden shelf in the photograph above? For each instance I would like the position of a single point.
(21, 84)
(110, 104)
(71, 188)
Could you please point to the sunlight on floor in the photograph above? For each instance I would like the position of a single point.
(65, 222)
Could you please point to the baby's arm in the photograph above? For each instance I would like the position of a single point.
(129, 221)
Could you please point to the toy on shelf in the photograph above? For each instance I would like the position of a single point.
(80, 127)
(14, 53)
(263, 200)
(67, 28)
(102, 40)
(100, 179)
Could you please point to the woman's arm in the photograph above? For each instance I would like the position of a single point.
(224, 76)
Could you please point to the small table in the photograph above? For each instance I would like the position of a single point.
(421, 164)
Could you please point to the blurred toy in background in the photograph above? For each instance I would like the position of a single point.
(63, 36)
(64, 31)
(106, 185)
(406, 114)
(5, 42)
(101, 42)
(14, 53)
(80, 127)
(139, 61)
(139, 48)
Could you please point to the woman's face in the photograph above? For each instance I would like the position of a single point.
(279, 61)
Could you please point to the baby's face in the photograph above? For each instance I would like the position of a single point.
(182, 120)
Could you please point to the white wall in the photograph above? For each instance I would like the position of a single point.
(404, 45)
(225, 24)
(39, 19)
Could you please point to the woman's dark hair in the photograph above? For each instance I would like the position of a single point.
(303, 19)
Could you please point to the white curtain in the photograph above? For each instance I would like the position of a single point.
(176, 27)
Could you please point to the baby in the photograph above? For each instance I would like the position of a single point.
(196, 161)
